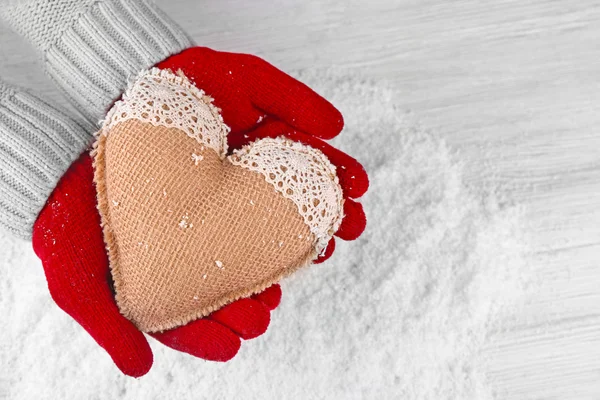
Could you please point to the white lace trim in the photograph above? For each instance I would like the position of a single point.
(162, 98)
(302, 174)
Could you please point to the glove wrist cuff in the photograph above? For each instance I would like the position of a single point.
(37, 145)
(92, 47)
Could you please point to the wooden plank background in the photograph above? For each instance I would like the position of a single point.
(518, 79)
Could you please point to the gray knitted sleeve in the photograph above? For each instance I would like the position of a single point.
(38, 143)
(91, 48)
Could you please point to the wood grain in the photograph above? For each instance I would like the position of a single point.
(513, 84)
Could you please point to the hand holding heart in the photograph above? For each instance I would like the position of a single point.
(232, 221)
(190, 229)
(69, 239)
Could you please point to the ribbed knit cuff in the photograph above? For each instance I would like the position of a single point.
(91, 48)
(37, 145)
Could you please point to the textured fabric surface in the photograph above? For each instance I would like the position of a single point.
(190, 230)
(91, 47)
(301, 174)
(186, 238)
(37, 145)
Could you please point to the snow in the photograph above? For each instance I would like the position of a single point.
(402, 313)
(197, 158)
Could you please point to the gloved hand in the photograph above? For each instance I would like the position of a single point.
(91, 48)
(63, 219)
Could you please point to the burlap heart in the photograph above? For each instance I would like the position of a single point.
(189, 229)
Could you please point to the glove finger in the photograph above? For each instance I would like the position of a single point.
(205, 68)
(354, 222)
(270, 297)
(238, 115)
(353, 177)
(328, 252)
(248, 318)
(291, 101)
(202, 338)
(68, 239)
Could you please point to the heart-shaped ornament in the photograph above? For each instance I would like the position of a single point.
(189, 229)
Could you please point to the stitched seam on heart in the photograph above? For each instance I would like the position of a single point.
(161, 98)
(99, 157)
(231, 297)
